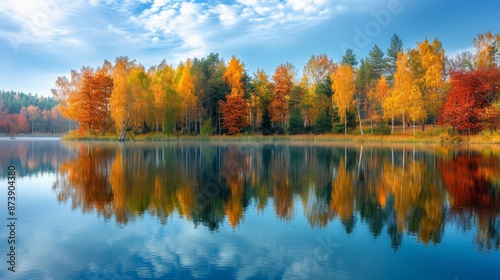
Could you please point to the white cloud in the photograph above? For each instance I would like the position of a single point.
(197, 27)
(35, 21)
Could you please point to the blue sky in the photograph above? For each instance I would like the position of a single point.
(43, 39)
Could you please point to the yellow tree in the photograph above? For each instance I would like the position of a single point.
(317, 80)
(427, 66)
(407, 95)
(185, 88)
(260, 96)
(376, 98)
(121, 100)
(234, 74)
(487, 50)
(343, 193)
(344, 87)
(389, 107)
(163, 87)
(142, 98)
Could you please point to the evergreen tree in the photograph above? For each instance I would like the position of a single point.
(296, 122)
(323, 123)
(266, 126)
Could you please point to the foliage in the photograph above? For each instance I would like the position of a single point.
(381, 129)
(207, 127)
(403, 87)
(266, 127)
(282, 86)
(323, 123)
(395, 47)
(234, 111)
(488, 50)
(470, 94)
(296, 122)
(351, 124)
(344, 88)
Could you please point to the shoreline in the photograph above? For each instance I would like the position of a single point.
(436, 136)
(304, 138)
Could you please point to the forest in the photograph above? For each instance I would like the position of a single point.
(401, 87)
(27, 113)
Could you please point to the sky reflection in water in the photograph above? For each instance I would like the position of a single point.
(102, 210)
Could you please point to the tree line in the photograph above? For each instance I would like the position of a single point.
(407, 87)
(27, 113)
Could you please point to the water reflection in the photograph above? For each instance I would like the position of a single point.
(395, 191)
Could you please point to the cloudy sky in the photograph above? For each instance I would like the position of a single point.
(43, 39)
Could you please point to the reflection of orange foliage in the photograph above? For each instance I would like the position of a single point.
(233, 207)
(283, 196)
(382, 196)
(464, 178)
(234, 165)
(469, 179)
(88, 174)
(342, 200)
(185, 196)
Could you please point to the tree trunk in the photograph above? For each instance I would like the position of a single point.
(359, 115)
(345, 123)
(122, 135)
(404, 123)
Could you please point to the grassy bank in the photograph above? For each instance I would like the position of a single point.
(430, 135)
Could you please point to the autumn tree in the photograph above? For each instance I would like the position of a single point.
(33, 115)
(376, 98)
(260, 98)
(163, 86)
(282, 86)
(344, 88)
(427, 64)
(85, 99)
(121, 100)
(317, 83)
(407, 96)
(141, 115)
(235, 108)
(185, 88)
(349, 58)
(469, 96)
(487, 50)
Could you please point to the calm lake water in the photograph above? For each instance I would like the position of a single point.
(251, 211)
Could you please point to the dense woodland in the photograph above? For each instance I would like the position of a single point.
(412, 86)
(27, 113)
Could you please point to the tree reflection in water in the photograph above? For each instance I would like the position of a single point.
(394, 190)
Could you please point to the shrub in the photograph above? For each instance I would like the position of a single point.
(207, 127)
(382, 129)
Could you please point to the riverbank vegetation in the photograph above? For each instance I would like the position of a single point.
(410, 88)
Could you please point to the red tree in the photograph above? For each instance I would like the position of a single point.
(469, 96)
(234, 111)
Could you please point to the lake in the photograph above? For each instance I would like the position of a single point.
(97, 210)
